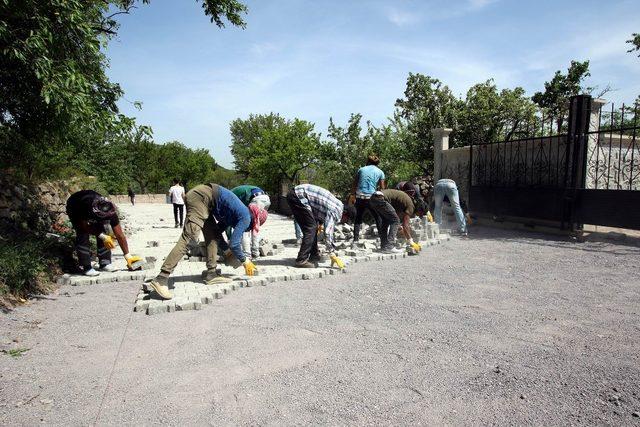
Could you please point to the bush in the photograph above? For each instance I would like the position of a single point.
(28, 263)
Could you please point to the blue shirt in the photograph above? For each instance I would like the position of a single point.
(368, 178)
(229, 211)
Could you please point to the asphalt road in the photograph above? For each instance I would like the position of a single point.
(502, 328)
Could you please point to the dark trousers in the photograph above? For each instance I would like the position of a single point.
(362, 205)
(389, 221)
(178, 211)
(133, 199)
(83, 250)
(308, 224)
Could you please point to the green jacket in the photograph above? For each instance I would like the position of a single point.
(245, 192)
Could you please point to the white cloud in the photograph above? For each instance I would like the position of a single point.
(402, 18)
(479, 4)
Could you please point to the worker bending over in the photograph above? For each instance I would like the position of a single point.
(368, 179)
(313, 206)
(258, 203)
(210, 208)
(92, 214)
(395, 208)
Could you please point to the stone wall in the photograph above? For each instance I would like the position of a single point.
(140, 198)
(37, 206)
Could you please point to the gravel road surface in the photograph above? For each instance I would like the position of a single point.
(502, 328)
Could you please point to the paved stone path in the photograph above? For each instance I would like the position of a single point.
(151, 235)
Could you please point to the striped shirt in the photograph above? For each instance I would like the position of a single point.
(324, 206)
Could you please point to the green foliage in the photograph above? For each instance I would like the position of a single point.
(554, 101)
(427, 104)
(56, 100)
(492, 115)
(269, 149)
(635, 43)
(16, 352)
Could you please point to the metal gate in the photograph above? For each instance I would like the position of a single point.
(589, 175)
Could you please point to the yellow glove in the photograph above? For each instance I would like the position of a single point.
(108, 241)
(416, 246)
(429, 217)
(250, 268)
(337, 261)
(320, 229)
(133, 262)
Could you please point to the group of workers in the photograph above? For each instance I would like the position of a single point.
(241, 211)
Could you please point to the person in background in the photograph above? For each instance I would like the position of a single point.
(448, 188)
(368, 179)
(92, 214)
(298, 231)
(176, 194)
(132, 195)
(315, 209)
(258, 203)
(210, 208)
(413, 191)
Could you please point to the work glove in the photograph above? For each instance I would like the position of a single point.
(320, 229)
(429, 217)
(415, 246)
(108, 241)
(337, 261)
(134, 262)
(231, 260)
(250, 268)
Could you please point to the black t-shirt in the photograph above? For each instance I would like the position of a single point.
(80, 208)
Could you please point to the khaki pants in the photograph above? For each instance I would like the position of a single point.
(199, 201)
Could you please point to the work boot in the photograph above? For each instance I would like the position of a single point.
(305, 264)
(160, 285)
(316, 258)
(213, 278)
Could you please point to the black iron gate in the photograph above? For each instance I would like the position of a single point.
(588, 175)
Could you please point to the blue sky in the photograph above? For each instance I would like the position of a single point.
(319, 59)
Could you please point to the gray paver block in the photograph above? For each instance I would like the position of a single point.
(141, 305)
(157, 308)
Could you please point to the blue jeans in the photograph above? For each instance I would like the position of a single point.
(448, 187)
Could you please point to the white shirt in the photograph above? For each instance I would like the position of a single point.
(177, 193)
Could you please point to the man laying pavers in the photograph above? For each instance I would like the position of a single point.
(448, 187)
(368, 179)
(210, 208)
(92, 214)
(258, 203)
(313, 206)
(413, 191)
(392, 205)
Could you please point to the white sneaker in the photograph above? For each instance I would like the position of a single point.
(91, 273)
(109, 268)
(391, 250)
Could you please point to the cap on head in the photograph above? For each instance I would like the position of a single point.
(409, 188)
(103, 208)
(373, 160)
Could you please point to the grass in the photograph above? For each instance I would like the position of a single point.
(16, 352)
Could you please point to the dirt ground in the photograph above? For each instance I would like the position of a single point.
(502, 328)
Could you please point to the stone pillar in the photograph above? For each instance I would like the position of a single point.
(596, 162)
(440, 144)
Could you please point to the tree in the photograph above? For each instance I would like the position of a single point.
(490, 115)
(635, 43)
(427, 104)
(557, 92)
(270, 149)
(53, 87)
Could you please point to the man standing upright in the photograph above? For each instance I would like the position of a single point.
(368, 179)
(176, 193)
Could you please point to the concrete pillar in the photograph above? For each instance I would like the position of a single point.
(596, 162)
(440, 144)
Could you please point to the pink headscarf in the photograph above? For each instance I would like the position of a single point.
(258, 216)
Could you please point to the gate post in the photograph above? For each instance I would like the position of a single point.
(576, 159)
(440, 144)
